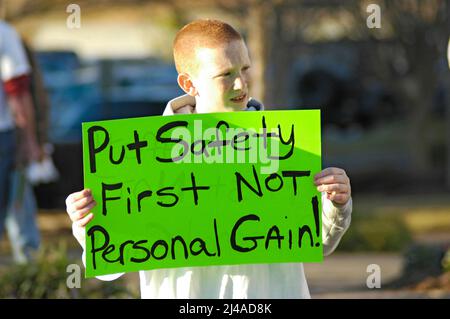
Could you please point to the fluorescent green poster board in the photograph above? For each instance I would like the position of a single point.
(203, 189)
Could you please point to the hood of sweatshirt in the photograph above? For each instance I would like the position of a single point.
(185, 104)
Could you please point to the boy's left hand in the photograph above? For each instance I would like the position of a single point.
(336, 183)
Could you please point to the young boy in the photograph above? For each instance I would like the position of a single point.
(214, 70)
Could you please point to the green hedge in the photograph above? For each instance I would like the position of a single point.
(46, 277)
(383, 232)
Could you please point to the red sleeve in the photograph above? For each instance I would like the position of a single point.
(17, 85)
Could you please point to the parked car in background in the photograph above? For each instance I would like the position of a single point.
(91, 91)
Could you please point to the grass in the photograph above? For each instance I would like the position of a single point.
(48, 277)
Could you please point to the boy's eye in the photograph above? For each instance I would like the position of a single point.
(226, 74)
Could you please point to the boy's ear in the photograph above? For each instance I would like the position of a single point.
(186, 84)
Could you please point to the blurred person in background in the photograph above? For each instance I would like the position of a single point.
(44, 170)
(19, 146)
(21, 222)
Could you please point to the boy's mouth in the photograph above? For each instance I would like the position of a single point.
(239, 99)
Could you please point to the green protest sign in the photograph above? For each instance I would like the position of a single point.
(203, 189)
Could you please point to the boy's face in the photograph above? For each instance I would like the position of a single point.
(222, 79)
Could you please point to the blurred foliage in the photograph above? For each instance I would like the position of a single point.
(422, 259)
(46, 277)
(446, 261)
(422, 264)
(381, 233)
(428, 220)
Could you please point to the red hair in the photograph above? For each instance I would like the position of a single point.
(200, 34)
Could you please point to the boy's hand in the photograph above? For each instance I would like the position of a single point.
(336, 183)
(78, 206)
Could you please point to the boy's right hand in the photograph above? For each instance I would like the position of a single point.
(78, 206)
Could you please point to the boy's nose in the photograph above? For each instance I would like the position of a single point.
(239, 83)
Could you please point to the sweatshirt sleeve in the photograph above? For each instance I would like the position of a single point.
(110, 277)
(13, 60)
(335, 222)
(79, 234)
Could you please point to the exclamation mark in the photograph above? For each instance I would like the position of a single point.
(315, 206)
